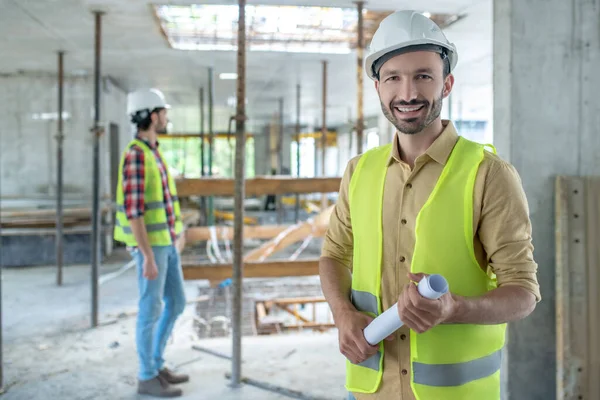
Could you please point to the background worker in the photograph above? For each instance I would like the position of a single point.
(430, 202)
(148, 221)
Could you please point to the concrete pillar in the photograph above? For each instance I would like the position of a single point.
(286, 152)
(546, 123)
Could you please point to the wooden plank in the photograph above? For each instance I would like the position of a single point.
(76, 212)
(592, 219)
(271, 269)
(257, 186)
(571, 289)
(562, 287)
(199, 234)
(298, 300)
(316, 325)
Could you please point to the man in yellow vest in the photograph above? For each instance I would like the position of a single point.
(148, 221)
(429, 203)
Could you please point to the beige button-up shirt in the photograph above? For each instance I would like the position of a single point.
(502, 236)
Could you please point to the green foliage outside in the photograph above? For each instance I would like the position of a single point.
(184, 156)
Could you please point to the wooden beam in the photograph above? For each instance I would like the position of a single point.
(271, 269)
(257, 186)
(298, 300)
(317, 227)
(199, 234)
(314, 325)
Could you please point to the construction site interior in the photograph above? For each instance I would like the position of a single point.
(526, 81)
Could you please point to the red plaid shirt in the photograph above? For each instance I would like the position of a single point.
(133, 184)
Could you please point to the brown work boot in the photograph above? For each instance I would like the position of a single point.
(158, 387)
(171, 377)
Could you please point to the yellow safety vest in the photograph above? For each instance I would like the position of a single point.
(450, 361)
(155, 215)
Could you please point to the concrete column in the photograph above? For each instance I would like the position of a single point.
(286, 151)
(546, 123)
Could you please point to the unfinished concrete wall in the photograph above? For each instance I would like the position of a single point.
(546, 122)
(27, 139)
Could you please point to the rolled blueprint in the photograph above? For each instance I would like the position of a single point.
(431, 287)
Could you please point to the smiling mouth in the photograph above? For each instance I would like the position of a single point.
(409, 109)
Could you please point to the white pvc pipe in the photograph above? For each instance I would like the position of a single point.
(431, 287)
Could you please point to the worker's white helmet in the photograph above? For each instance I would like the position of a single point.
(405, 31)
(145, 99)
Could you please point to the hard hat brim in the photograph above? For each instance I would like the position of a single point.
(372, 58)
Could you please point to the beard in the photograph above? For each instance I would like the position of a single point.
(413, 126)
(161, 128)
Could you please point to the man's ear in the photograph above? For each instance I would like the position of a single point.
(154, 117)
(377, 85)
(448, 85)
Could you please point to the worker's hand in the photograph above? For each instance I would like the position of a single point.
(180, 242)
(150, 270)
(419, 313)
(353, 345)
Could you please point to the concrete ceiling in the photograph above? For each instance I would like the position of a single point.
(135, 54)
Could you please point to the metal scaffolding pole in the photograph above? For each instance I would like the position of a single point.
(297, 211)
(238, 227)
(97, 131)
(201, 131)
(360, 122)
(324, 131)
(203, 206)
(59, 173)
(211, 96)
(280, 160)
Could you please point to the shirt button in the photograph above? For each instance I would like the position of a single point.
(409, 185)
(403, 336)
(402, 259)
(404, 372)
(403, 221)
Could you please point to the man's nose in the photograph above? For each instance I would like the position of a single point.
(407, 91)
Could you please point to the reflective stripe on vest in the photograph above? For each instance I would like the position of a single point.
(367, 302)
(149, 227)
(155, 205)
(457, 374)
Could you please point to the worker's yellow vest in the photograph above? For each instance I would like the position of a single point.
(155, 215)
(450, 361)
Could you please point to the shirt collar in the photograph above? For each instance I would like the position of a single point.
(155, 146)
(440, 149)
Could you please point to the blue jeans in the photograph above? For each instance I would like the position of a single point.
(155, 323)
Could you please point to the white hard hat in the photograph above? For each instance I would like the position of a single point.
(145, 99)
(404, 29)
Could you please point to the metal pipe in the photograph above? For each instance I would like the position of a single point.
(59, 173)
(211, 95)
(203, 205)
(97, 131)
(280, 159)
(324, 131)
(238, 223)
(201, 131)
(1, 345)
(360, 122)
(297, 211)
(294, 394)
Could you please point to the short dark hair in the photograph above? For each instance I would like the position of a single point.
(142, 119)
(442, 52)
(446, 61)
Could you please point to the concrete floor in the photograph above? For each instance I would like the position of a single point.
(51, 353)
